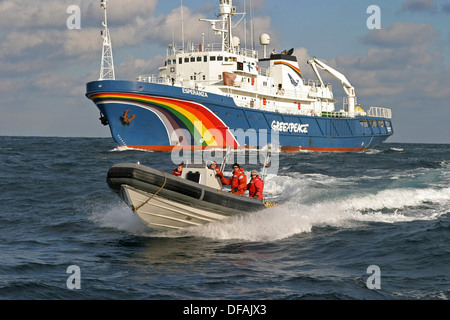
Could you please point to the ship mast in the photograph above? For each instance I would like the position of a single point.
(226, 7)
(107, 65)
(227, 11)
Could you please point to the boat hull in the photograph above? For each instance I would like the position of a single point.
(161, 118)
(163, 214)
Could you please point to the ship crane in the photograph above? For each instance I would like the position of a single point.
(348, 88)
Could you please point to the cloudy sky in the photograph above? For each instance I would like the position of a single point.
(44, 66)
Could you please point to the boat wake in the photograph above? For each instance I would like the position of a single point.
(119, 217)
(388, 206)
(125, 148)
(291, 218)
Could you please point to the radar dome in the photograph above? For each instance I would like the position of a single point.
(264, 39)
(236, 41)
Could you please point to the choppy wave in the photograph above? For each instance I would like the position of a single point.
(338, 214)
(311, 200)
(389, 206)
(125, 148)
(386, 206)
(119, 217)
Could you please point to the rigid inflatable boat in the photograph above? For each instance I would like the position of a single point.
(163, 201)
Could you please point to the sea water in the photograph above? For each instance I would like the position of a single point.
(370, 225)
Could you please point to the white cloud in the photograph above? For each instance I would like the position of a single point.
(30, 14)
(78, 43)
(402, 69)
(419, 5)
(53, 13)
(401, 34)
(7, 85)
(133, 67)
(123, 12)
(49, 80)
(402, 59)
(166, 29)
(303, 56)
(17, 42)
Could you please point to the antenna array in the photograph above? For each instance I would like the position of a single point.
(107, 66)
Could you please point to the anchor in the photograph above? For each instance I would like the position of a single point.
(125, 119)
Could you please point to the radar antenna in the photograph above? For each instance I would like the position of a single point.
(107, 66)
(227, 11)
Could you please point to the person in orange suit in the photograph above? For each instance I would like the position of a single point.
(238, 181)
(177, 172)
(255, 186)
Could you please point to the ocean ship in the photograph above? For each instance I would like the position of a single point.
(225, 95)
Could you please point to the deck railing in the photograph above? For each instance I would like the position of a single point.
(380, 112)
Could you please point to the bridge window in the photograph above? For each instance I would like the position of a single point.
(364, 123)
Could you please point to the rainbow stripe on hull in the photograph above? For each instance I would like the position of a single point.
(167, 117)
(192, 123)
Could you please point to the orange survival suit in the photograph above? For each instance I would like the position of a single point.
(238, 181)
(255, 188)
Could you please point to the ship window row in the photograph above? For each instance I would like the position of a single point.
(374, 123)
(195, 78)
(251, 118)
(239, 115)
(201, 58)
(191, 59)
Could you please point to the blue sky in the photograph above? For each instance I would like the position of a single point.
(44, 66)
